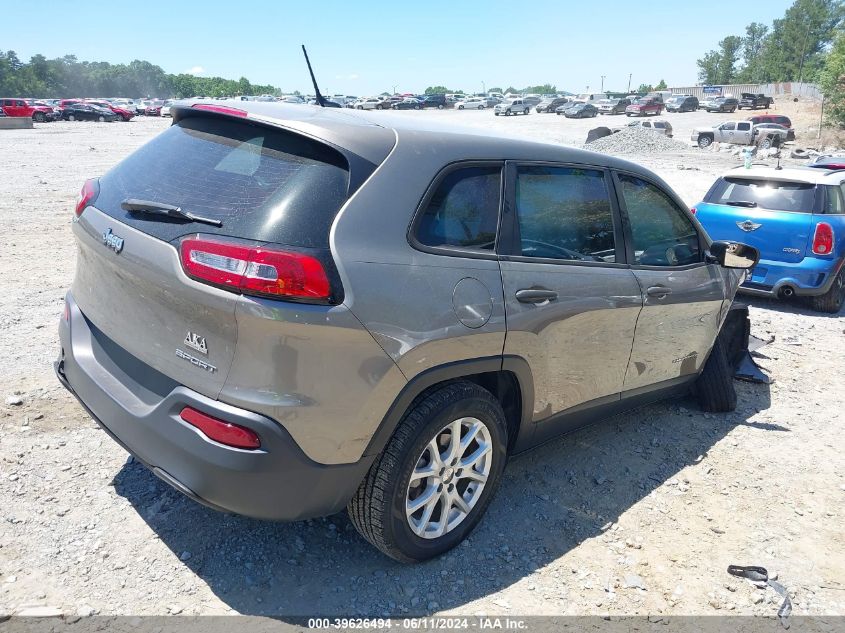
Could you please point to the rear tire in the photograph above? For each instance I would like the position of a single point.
(715, 385)
(831, 301)
(379, 509)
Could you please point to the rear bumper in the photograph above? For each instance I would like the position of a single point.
(139, 408)
(809, 277)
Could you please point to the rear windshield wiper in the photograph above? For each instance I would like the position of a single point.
(134, 205)
(741, 203)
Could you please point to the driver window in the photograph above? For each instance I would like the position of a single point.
(730, 127)
(662, 233)
(564, 213)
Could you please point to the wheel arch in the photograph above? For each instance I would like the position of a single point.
(508, 378)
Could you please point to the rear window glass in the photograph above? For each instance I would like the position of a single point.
(776, 195)
(263, 184)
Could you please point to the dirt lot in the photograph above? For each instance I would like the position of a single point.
(640, 514)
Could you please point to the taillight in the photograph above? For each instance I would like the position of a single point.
(221, 431)
(693, 210)
(255, 270)
(87, 195)
(220, 109)
(823, 239)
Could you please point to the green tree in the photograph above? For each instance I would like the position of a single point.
(794, 51)
(752, 52)
(645, 88)
(545, 89)
(708, 68)
(729, 49)
(511, 89)
(832, 81)
(494, 90)
(437, 90)
(661, 85)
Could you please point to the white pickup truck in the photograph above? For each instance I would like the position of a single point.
(738, 133)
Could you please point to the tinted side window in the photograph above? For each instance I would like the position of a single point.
(564, 213)
(743, 127)
(464, 210)
(834, 202)
(662, 233)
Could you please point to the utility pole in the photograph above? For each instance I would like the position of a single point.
(394, 89)
(602, 83)
(483, 87)
(629, 82)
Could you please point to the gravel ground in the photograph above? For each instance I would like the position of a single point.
(640, 514)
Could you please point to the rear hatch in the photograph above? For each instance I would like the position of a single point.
(774, 216)
(265, 185)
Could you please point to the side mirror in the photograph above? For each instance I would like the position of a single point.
(734, 255)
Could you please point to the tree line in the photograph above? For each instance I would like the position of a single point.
(68, 77)
(794, 48)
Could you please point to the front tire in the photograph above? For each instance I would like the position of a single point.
(435, 478)
(715, 385)
(39, 117)
(831, 301)
(704, 142)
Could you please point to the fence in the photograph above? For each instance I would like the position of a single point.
(786, 88)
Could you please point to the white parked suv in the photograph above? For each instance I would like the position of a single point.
(512, 106)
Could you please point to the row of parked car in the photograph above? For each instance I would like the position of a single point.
(105, 110)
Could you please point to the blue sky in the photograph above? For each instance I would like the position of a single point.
(359, 47)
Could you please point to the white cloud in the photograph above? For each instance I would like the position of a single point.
(195, 70)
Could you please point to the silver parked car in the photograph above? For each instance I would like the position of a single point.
(286, 311)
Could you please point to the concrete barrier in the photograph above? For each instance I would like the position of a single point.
(15, 122)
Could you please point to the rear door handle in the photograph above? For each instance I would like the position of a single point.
(658, 291)
(535, 295)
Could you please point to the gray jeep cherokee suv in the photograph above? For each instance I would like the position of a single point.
(284, 311)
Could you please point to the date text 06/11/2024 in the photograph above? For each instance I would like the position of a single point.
(423, 623)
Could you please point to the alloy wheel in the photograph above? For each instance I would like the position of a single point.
(449, 477)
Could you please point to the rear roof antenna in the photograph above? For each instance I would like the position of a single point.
(321, 100)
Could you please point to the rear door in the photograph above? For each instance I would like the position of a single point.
(743, 133)
(684, 297)
(571, 304)
(263, 184)
(774, 216)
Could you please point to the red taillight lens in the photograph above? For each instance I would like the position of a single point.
(823, 239)
(219, 109)
(220, 431)
(87, 195)
(255, 270)
(693, 210)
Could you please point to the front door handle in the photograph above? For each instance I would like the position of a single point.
(658, 291)
(535, 295)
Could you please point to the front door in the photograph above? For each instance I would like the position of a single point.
(684, 297)
(571, 306)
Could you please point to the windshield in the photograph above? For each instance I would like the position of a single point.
(777, 195)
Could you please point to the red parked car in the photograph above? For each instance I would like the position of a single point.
(644, 106)
(124, 114)
(19, 107)
(154, 109)
(771, 118)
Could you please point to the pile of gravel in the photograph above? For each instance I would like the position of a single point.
(636, 140)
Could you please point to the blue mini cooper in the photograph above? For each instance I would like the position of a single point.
(796, 218)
